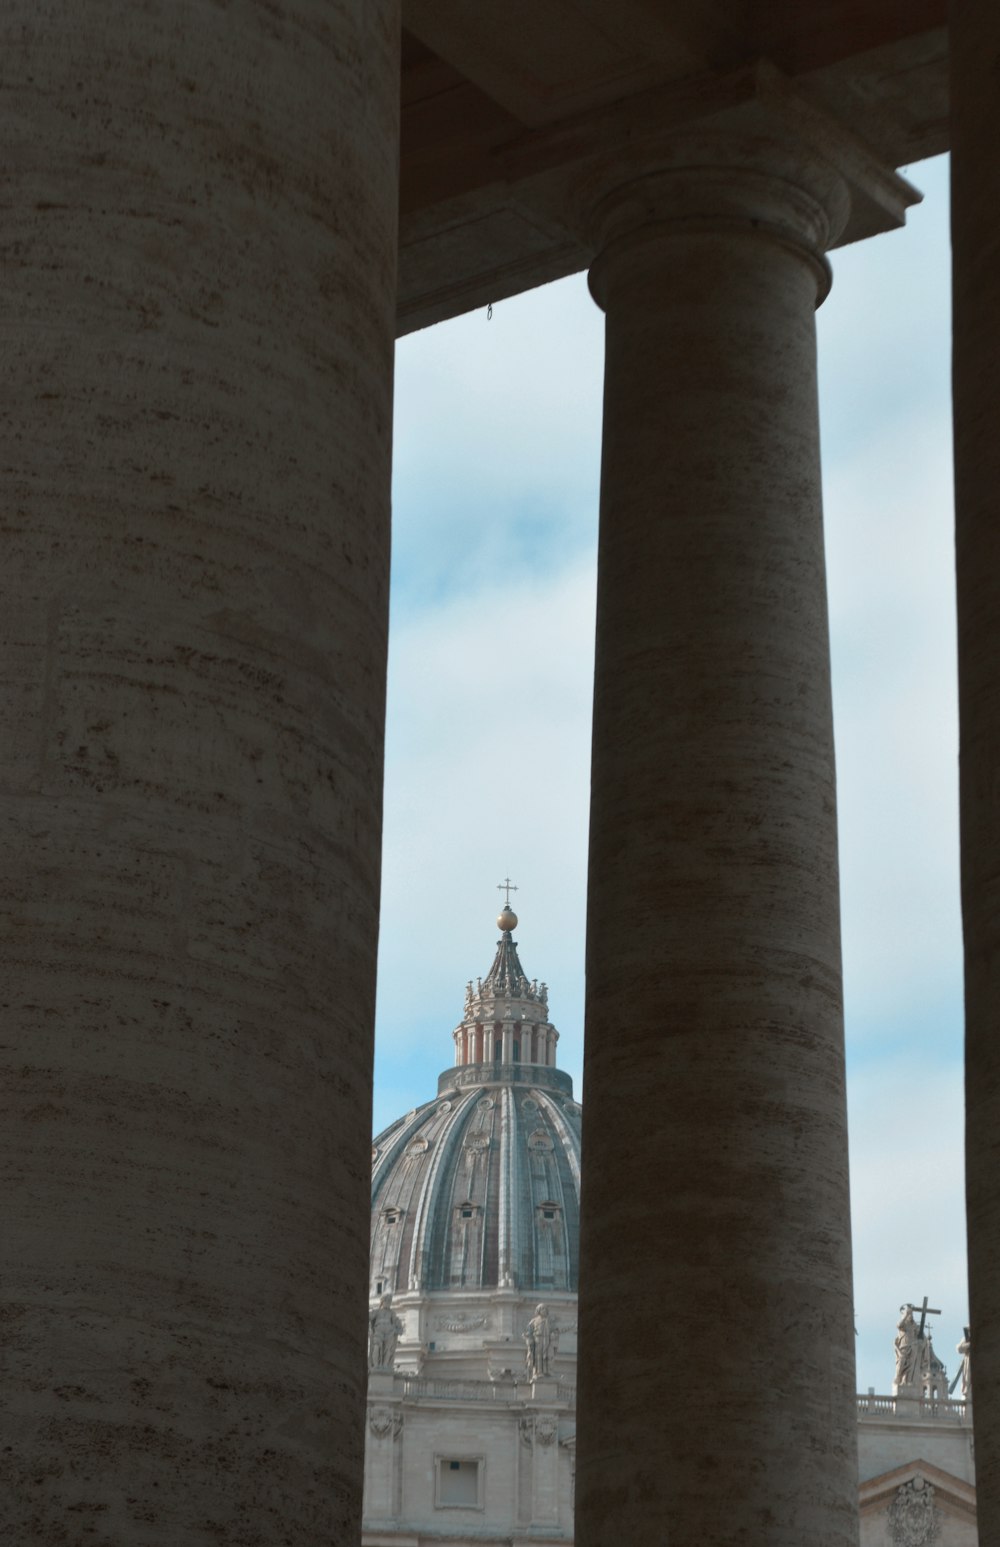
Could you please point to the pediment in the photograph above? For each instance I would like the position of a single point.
(951, 1493)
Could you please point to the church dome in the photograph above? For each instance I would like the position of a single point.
(479, 1189)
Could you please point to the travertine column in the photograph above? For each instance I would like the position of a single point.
(975, 170)
(197, 319)
(716, 1246)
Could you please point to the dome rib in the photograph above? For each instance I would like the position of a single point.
(421, 1268)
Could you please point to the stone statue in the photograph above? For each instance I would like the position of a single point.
(538, 1340)
(912, 1353)
(965, 1372)
(384, 1327)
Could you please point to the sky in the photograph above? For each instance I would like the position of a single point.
(495, 496)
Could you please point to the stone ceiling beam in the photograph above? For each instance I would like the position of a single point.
(492, 210)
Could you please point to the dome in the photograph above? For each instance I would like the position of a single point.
(479, 1189)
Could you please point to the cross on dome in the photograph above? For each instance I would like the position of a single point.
(507, 919)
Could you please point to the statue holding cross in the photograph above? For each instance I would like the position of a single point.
(913, 1351)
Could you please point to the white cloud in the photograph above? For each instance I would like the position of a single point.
(489, 766)
(892, 613)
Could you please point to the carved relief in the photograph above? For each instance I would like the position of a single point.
(912, 1516)
(540, 1141)
(476, 1148)
(460, 1322)
(384, 1421)
(540, 1429)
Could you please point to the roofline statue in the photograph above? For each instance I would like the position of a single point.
(384, 1327)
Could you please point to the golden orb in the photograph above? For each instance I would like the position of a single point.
(507, 919)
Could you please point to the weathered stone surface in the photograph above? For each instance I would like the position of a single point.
(199, 282)
(975, 49)
(715, 1257)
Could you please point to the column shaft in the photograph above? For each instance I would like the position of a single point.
(199, 291)
(716, 1243)
(974, 48)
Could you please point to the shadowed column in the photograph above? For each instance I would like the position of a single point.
(197, 317)
(975, 225)
(717, 1364)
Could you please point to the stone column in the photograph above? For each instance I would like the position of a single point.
(198, 301)
(507, 1043)
(716, 1238)
(974, 48)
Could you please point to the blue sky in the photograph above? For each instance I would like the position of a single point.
(497, 457)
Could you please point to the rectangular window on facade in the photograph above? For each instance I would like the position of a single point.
(459, 1483)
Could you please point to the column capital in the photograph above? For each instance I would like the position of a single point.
(738, 185)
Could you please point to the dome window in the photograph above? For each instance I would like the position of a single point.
(549, 1212)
